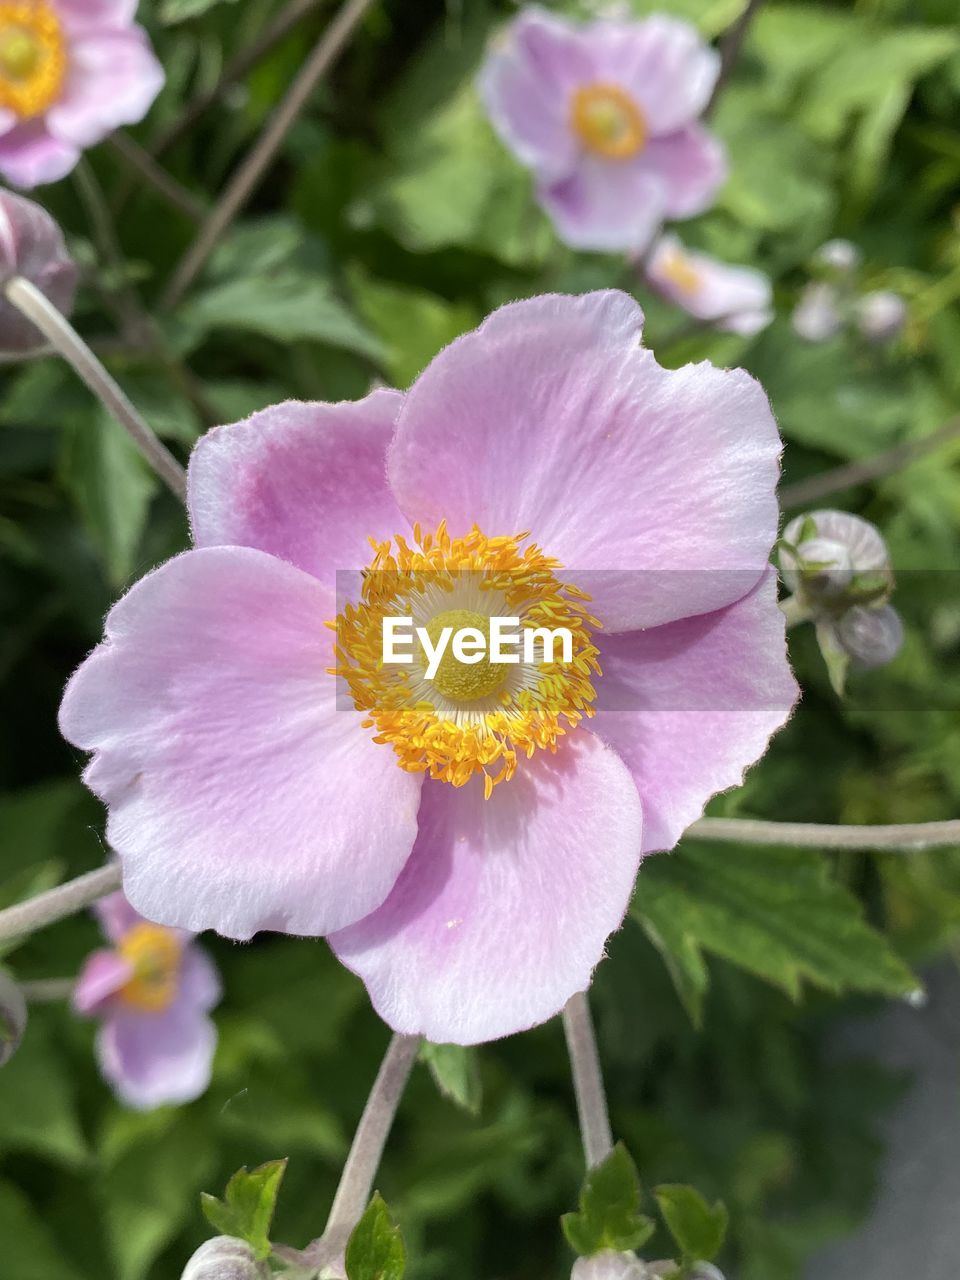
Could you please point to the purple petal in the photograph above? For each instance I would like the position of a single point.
(153, 1060)
(691, 166)
(608, 206)
(112, 80)
(103, 974)
(30, 155)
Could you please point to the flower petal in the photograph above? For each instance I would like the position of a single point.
(691, 166)
(736, 299)
(306, 482)
(664, 63)
(199, 981)
(103, 974)
(689, 706)
(653, 487)
(242, 795)
(30, 155)
(606, 206)
(116, 915)
(504, 908)
(113, 80)
(157, 1059)
(79, 15)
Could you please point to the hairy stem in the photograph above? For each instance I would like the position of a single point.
(730, 47)
(587, 1080)
(47, 990)
(258, 160)
(175, 194)
(356, 1181)
(64, 338)
(895, 838)
(56, 904)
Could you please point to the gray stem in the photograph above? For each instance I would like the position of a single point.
(587, 1080)
(56, 904)
(895, 838)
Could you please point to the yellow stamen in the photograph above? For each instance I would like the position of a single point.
(471, 718)
(33, 58)
(153, 953)
(609, 121)
(679, 270)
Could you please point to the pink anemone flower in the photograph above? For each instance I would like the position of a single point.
(735, 299)
(468, 843)
(152, 991)
(606, 117)
(71, 71)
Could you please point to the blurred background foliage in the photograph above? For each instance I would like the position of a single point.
(392, 222)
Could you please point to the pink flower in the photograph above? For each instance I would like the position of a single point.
(606, 116)
(71, 71)
(467, 843)
(31, 245)
(152, 991)
(735, 299)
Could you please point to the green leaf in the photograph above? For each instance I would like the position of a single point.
(248, 1204)
(44, 1120)
(375, 1249)
(609, 1216)
(412, 325)
(778, 913)
(173, 11)
(29, 1249)
(286, 306)
(456, 1071)
(698, 1228)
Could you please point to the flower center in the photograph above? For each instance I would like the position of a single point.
(680, 271)
(32, 57)
(466, 717)
(609, 121)
(153, 952)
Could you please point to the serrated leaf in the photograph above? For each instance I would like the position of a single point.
(456, 1071)
(247, 1208)
(609, 1215)
(698, 1228)
(375, 1249)
(776, 912)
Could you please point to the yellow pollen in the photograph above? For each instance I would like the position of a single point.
(153, 953)
(470, 718)
(680, 271)
(462, 681)
(609, 121)
(33, 58)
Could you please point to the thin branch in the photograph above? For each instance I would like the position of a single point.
(47, 990)
(175, 194)
(56, 904)
(730, 47)
(366, 1152)
(895, 838)
(587, 1080)
(865, 470)
(61, 334)
(258, 160)
(235, 69)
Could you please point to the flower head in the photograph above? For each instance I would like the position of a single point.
(609, 1265)
(31, 245)
(71, 71)
(880, 315)
(735, 299)
(152, 991)
(606, 116)
(468, 843)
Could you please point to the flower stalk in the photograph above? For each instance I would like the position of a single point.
(64, 339)
(56, 904)
(904, 837)
(587, 1080)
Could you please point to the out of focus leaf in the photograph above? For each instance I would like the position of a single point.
(173, 11)
(455, 1069)
(412, 324)
(40, 1115)
(28, 1250)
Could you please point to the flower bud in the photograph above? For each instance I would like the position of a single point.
(871, 637)
(817, 316)
(32, 246)
(838, 255)
(881, 315)
(706, 1271)
(609, 1265)
(832, 560)
(225, 1258)
(13, 1017)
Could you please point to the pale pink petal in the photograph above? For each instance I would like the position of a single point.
(242, 794)
(112, 80)
(31, 156)
(691, 166)
(691, 705)
(306, 482)
(157, 1059)
(116, 915)
(654, 488)
(559, 52)
(81, 15)
(736, 299)
(199, 981)
(506, 904)
(103, 974)
(607, 206)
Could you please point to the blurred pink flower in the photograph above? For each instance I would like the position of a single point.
(152, 991)
(71, 71)
(818, 315)
(467, 843)
(735, 299)
(31, 245)
(606, 116)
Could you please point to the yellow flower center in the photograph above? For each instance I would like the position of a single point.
(679, 270)
(471, 717)
(153, 953)
(609, 121)
(32, 57)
